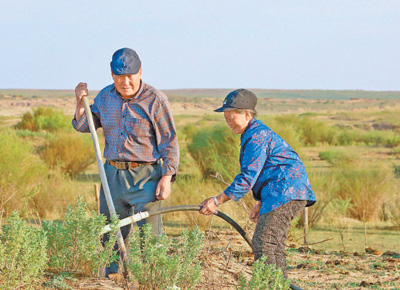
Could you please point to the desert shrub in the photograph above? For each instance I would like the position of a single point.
(367, 186)
(22, 173)
(72, 152)
(340, 157)
(214, 151)
(311, 132)
(396, 152)
(373, 138)
(27, 184)
(317, 132)
(75, 243)
(394, 208)
(265, 276)
(23, 254)
(57, 192)
(325, 187)
(285, 128)
(162, 263)
(189, 131)
(44, 119)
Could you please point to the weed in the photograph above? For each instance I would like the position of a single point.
(23, 254)
(265, 276)
(161, 263)
(75, 243)
(60, 282)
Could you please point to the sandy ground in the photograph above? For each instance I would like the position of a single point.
(226, 256)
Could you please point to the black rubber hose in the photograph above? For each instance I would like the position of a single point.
(218, 214)
(197, 208)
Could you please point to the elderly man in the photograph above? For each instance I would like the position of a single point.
(141, 146)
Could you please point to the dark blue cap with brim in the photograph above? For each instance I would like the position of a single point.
(239, 99)
(125, 61)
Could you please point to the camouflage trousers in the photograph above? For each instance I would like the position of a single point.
(271, 233)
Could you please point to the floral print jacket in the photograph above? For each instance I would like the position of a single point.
(271, 169)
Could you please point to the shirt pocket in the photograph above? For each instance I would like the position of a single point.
(140, 127)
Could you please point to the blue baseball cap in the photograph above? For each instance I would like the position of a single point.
(125, 61)
(239, 99)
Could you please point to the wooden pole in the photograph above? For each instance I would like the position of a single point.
(365, 230)
(97, 196)
(305, 226)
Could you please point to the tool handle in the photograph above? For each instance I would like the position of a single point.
(103, 177)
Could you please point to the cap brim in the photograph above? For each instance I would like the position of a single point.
(223, 109)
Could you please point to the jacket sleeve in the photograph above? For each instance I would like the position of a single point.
(255, 153)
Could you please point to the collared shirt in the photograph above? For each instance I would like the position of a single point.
(139, 129)
(271, 168)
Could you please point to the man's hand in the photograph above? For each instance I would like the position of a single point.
(253, 216)
(81, 90)
(163, 189)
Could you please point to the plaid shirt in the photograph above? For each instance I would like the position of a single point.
(271, 169)
(139, 129)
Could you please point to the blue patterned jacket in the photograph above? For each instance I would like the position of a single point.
(271, 169)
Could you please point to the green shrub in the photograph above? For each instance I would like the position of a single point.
(75, 242)
(371, 138)
(22, 173)
(27, 184)
(56, 192)
(311, 132)
(325, 187)
(287, 129)
(214, 151)
(162, 263)
(72, 152)
(396, 152)
(340, 157)
(23, 256)
(394, 208)
(265, 276)
(367, 186)
(44, 119)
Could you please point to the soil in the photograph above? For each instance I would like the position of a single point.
(227, 256)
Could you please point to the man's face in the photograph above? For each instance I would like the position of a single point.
(236, 121)
(127, 85)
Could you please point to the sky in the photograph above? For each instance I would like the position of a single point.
(265, 44)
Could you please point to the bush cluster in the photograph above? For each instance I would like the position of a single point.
(164, 263)
(212, 150)
(27, 184)
(73, 245)
(44, 119)
(22, 174)
(72, 152)
(264, 276)
(23, 255)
